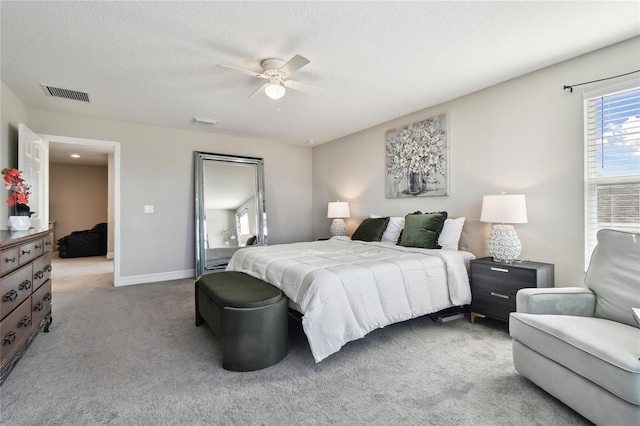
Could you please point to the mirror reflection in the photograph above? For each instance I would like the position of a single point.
(230, 210)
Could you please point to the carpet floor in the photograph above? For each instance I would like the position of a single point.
(133, 356)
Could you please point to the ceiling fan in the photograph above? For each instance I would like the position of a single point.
(277, 71)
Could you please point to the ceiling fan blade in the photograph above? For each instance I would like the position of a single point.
(259, 89)
(294, 64)
(302, 87)
(251, 73)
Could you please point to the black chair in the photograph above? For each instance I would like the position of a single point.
(91, 242)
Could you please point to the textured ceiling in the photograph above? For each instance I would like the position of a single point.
(155, 62)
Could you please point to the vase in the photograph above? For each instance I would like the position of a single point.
(414, 179)
(19, 223)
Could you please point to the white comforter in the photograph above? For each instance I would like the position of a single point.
(345, 289)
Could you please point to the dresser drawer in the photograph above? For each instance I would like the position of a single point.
(41, 302)
(9, 260)
(28, 252)
(14, 329)
(41, 270)
(48, 243)
(15, 288)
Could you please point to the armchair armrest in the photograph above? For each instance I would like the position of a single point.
(577, 301)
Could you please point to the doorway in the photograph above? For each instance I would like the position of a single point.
(95, 152)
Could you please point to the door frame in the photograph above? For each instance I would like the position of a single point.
(116, 190)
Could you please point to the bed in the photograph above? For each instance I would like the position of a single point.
(346, 288)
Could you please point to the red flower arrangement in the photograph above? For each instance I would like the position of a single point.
(19, 196)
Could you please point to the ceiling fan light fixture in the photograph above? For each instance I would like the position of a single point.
(274, 90)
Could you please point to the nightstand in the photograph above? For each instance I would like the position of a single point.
(494, 285)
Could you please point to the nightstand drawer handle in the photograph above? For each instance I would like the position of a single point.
(500, 269)
(502, 296)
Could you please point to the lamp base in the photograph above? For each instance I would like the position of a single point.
(504, 245)
(338, 228)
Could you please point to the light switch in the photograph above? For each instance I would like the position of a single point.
(148, 208)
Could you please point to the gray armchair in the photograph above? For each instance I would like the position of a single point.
(582, 345)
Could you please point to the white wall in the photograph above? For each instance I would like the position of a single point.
(219, 220)
(13, 112)
(522, 136)
(157, 169)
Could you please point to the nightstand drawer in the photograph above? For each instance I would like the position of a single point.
(493, 303)
(502, 277)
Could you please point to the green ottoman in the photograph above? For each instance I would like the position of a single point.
(248, 315)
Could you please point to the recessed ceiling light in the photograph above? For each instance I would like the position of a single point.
(75, 155)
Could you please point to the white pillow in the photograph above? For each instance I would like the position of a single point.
(450, 234)
(395, 226)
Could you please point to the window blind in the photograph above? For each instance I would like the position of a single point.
(612, 169)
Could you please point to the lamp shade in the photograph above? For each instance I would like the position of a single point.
(338, 209)
(504, 208)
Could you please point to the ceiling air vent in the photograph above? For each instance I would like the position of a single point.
(74, 95)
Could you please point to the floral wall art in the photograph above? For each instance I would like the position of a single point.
(417, 159)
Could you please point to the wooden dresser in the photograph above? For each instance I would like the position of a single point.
(25, 292)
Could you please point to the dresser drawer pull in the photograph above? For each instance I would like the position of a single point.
(48, 243)
(9, 338)
(25, 285)
(47, 268)
(26, 321)
(12, 260)
(38, 247)
(499, 269)
(38, 275)
(26, 251)
(11, 296)
(47, 296)
(502, 296)
(38, 306)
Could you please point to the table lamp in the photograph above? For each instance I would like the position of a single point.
(503, 210)
(337, 211)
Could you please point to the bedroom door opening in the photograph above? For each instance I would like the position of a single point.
(96, 152)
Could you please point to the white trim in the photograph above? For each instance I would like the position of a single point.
(153, 278)
(116, 191)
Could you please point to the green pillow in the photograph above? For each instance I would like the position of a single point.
(422, 230)
(371, 229)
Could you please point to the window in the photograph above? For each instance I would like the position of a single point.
(242, 225)
(612, 169)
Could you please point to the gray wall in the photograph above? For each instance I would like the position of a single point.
(157, 168)
(12, 112)
(522, 136)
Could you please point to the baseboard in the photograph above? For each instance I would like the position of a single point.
(153, 278)
(110, 255)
